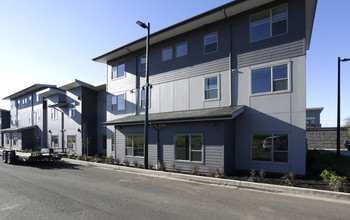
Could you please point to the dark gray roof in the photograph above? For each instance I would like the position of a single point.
(15, 129)
(221, 113)
(28, 90)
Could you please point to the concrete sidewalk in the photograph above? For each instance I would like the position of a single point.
(219, 181)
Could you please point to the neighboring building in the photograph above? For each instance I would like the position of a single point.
(75, 116)
(228, 90)
(28, 129)
(313, 117)
(4, 123)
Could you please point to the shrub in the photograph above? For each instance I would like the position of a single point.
(262, 175)
(289, 178)
(162, 167)
(110, 160)
(253, 176)
(337, 183)
(136, 163)
(117, 161)
(150, 166)
(126, 162)
(139, 165)
(195, 170)
(173, 167)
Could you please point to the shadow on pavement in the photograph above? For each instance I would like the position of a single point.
(49, 165)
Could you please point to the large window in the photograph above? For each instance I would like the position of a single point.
(134, 145)
(71, 141)
(211, 88)
(210, 43)
(118, 70)
(167, 54)
(188, 147)
(268, 23)
(181, 49)
(270, 79)
(270, 147)
(54, 141)
(118, 102)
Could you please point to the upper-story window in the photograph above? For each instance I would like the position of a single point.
(13, 103)
(118, 69)
(30, 99)
(71, 111)
(18, 102)
(118, 102)
(211, 88)
(270, 79)
(211, 43)
(142, 63)
(37, 98)
(37, 116)
(181, 49)
(167, 54)
(25, 100)
(268, 23)
(54, 114)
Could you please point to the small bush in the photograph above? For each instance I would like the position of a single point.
(337, 183)
(253, 176)
(126, 162)
(135, 162)
(117, 161)
(173, 167)
(139, 165)
(150, 166)
(110, 160)
(289, 178)
(162, 167)
(195, 170)
(262, 175)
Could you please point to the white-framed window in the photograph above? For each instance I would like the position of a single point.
(7, 139)
(15, 140)
(143, 63)
(18, 102)
(188, 147)
(268, 23)
(54, 114)
(54, 141)
(211, 87)
(270, 79)
(72, 110)
(118, 102)
(167, 54)
(143, 98)
(118, 69)
(71, 141)
(37, 116)
(181, 49)
(270, 147)
(134, 145)
(37, 97)
(210, 43)
(25, 100)
(30, 99)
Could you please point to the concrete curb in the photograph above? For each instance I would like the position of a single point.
(236, 183)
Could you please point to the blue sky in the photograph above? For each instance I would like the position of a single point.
(53, 42)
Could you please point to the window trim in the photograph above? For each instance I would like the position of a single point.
(270, 12)
(190, 150)
(116, 96)
(172, 53)
(149, 98)
(117, 63)
(217, 43)
(217, 75)
(272, 151)
(271, 65)
(74, 147)
(176, 49)
(132, 143)
(140, 61)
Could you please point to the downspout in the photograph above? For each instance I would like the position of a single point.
(157, 130)
(229, 55)
(115, 142)
(32, 113)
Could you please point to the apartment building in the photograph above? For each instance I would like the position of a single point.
(227, 90)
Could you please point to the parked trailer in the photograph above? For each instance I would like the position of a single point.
(12, 156)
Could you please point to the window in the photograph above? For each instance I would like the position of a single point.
(143, 64)
(270, 79)
(188, 147)
(211, 88)
(71, 110)
(13, 120)
(270, 147)
(143, 98)
(7, 140)
(71, 141)
(13, 104)
(134, 145)
(30, 99)
(118, 70)
(18, 102)
(54, 141)
(118, 102)
(54, 114)
(37, 116)
(181, 49)
(15, 140)
(310, 121)
(268, 23)
(167, 54)
(37, 98)
(210, 43)
(113, 142)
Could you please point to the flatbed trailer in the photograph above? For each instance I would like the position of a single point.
(12, 156)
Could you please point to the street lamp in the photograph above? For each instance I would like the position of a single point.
(146, 87)
(338, 116)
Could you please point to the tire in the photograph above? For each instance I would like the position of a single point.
(11, 157)
(4, 156)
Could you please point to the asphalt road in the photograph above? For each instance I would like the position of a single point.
(78, 192)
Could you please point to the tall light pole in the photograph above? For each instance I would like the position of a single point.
(338, 115)
(146, 87)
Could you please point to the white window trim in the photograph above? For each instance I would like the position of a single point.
(117, 63)
(133, 135)
(184, 42)
(219, 85)
(271, 162)
(189, 161)
(116, 95)
(74, 147)
(287, 62)
(217, 43)
(250, 24)
(172, 53)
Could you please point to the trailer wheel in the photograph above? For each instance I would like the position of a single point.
(4, 156)
(11, 156)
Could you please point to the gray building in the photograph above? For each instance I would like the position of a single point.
(228, 90)
(313, 117)
(4, 123)
(75, 116)
(28, 129)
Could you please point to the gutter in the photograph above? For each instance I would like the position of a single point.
(229, 55)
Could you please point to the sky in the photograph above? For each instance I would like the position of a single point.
(54, 41)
